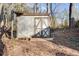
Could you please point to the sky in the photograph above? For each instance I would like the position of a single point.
(62, 10)
(59, 7)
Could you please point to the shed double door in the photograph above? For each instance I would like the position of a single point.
(41, 27)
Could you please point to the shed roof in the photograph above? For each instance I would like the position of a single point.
(31, 14)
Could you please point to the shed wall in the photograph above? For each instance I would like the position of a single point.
(26, 25)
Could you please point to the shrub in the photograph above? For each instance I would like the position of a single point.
(77, 24)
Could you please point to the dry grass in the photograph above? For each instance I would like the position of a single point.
(33, 48)
(61, 45)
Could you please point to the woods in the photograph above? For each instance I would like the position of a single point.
(39, 29)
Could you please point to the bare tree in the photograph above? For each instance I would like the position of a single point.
(51, 9)
(70, 14)
(35, 8)
(47, 7)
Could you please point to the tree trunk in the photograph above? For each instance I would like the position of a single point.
(70, 14)
(51, 9)
(36, 8)
(47, 7)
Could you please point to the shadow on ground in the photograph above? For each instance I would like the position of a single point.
(67, 38)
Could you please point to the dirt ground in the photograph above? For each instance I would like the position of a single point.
(63, 43)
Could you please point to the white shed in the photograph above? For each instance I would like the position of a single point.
(33, 26)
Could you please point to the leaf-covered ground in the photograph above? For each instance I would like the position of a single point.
(63, 43)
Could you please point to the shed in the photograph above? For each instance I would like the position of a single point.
(32, 26)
